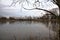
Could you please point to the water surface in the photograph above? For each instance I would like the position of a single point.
(28, 30)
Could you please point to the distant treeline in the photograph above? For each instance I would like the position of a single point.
(30, 18)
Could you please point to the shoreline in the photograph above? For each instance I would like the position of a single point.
(29, 20)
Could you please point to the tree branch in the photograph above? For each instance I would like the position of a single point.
(40, 9)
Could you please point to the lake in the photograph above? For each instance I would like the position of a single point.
(28, 30)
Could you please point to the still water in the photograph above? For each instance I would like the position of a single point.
(28, 30)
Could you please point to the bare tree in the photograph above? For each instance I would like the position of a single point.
(18, 1)
(35, 4)
(58, 3)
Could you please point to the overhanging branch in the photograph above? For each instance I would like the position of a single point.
(40, 9)
(44, 10)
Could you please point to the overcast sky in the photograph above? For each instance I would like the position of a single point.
(17, 10)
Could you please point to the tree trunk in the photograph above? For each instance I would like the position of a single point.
(58, 3)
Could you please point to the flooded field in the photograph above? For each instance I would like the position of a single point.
(29, 30)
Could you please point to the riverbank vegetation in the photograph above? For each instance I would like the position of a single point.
(44, 18)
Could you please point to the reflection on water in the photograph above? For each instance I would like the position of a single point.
(28, 30)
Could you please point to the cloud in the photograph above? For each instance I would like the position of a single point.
(17, 10)
(2, 6)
